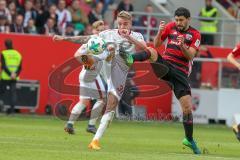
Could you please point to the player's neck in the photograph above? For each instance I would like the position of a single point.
(187, 28)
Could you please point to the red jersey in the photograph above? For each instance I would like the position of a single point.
(236, 50)
(173, 53)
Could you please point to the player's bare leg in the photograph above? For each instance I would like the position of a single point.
(186, 104)
(105, 121)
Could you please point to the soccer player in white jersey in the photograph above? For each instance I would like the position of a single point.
(125, 42)
(91, 87)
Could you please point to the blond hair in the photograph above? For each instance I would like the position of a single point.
(125, 15)
(96, 24)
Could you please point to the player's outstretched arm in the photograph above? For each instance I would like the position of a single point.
(74, 39)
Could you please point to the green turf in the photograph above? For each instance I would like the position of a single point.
(43, 138)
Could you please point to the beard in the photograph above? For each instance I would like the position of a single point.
(183, 28)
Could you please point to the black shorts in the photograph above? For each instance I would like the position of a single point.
(177, 79)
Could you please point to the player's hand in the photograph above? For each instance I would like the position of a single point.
(125, 34)
(111, 50)
(180, 40)
(110, 57)
(154, 54)
(161, 26)
(58, 38)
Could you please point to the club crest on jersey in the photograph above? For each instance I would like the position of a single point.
(188, 36)
(197, 43)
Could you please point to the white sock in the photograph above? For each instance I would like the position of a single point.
(105, 121)
(96, 112)
(76, 111)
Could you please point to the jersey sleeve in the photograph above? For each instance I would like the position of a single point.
(196, 41)
(139, 37)
(104, 34)
(236, 51)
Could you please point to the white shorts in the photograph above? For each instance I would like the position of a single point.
(113, 90)
(92, 90)
(116, 84)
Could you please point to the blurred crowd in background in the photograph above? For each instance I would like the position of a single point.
(65, 17)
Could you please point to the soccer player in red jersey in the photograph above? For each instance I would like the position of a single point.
(232, 59)
(182, 46)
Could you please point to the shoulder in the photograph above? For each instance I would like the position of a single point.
(137, 35)
(107, 32)
(171, 25)
(16, 52)
(194, 32)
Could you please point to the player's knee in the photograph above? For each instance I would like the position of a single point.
(78, 108)
(111, 103)
(110, 107)
(187, 109)
(101, 102)
(186, 104)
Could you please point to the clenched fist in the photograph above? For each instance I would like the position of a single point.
(161, 26)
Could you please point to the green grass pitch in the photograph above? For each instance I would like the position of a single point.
(43, 138)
